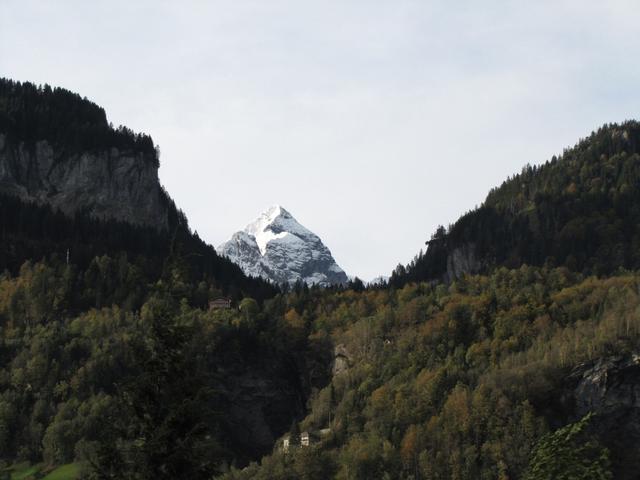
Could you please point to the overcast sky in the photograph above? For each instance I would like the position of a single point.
(372, 122)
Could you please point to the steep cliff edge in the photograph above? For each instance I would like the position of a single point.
(610, 388)
(110, 184)
(58, 149)
(461, 261)
(73, 185)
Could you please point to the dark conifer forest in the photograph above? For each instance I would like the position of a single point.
(478, 360)
(580, 210)
(30, 113)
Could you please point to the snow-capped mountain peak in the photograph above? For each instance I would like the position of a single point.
(275, 246)
(274, 224)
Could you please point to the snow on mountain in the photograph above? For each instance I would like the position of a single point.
(276, 247)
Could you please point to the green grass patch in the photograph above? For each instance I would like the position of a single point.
(65, 472)
(23, 471)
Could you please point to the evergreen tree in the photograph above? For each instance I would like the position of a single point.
(570, 454)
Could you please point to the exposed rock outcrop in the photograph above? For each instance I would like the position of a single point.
(462, 260)
(610, 388)
(341, 359)
(608, 385)
(260, 409)
(110, 184)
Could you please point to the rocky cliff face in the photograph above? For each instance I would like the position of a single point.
(109, 184)
(610, 388)
(342, 360)
(278, 248)
(460, 261)
(260, 408)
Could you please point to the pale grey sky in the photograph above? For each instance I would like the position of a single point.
(371, 121)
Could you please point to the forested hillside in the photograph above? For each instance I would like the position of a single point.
(127, 378)
(463, 381)
(509, 350)
(580, 210)
(99, 318)
(76, 129)
(36, 232)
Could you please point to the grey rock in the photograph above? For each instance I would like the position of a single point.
(107, 184)
(260, 407)
(462, 260)
(610, 388)
(342, 359)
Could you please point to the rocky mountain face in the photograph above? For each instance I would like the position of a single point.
(610, 388)
(462, 261)
(276, 247)
(108, 183)
(260, 407)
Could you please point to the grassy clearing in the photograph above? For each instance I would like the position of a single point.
(65, 472)
(23, 471)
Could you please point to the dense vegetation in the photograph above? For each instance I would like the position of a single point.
(139, 297)
(30, 231)
(467, 379)
(73, 124)
(29, 113)
(459, 381)
(131, 392)
(580, 210)
(456, 381)
(111, 362)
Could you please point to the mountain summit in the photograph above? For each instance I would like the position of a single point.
(276, 247)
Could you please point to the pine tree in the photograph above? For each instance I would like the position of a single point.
(570, 454)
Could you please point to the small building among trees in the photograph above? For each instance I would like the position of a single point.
(304, 439)
(220, 304)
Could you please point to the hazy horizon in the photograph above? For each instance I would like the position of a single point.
(371, 122)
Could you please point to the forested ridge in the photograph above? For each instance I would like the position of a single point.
(31, 113)
(111, 359)
(580, 210)
(476, 375)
